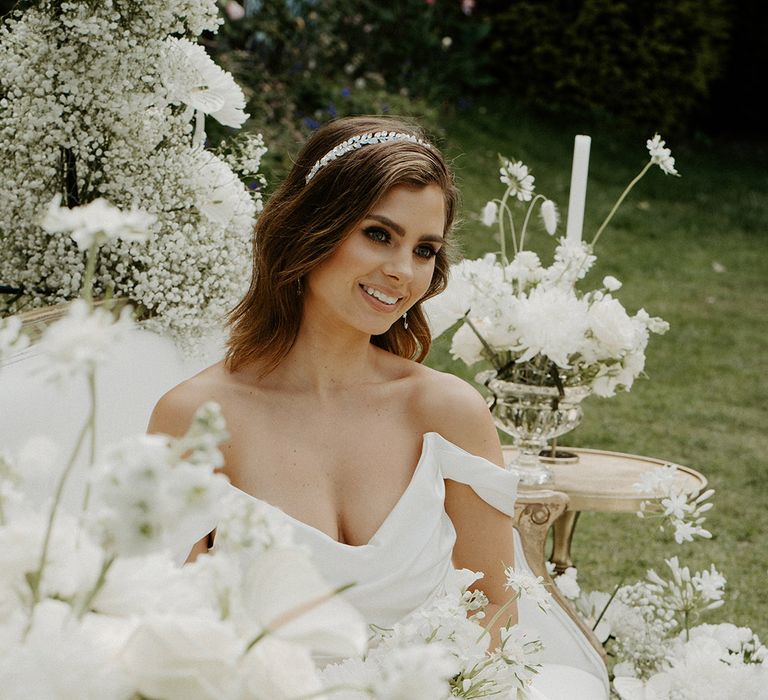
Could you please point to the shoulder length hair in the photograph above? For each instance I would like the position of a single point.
(304, 223)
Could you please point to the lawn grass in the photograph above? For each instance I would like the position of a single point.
(704, 402)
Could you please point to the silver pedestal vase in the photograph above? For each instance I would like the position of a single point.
(532, 415)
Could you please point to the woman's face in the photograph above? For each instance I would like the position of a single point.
(385, 264)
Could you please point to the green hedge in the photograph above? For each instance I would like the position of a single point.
(650, 62)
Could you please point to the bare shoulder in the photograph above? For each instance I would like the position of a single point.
(454, 408)
(174, 411)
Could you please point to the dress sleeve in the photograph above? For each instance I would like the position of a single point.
(494, 485)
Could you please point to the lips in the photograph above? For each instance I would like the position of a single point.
(380, 299)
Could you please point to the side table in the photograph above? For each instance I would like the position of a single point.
(600, 482)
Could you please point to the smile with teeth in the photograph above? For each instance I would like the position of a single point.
(380, 295)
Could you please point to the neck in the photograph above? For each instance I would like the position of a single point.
(326, 358)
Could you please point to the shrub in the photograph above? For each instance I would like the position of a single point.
(651, 63)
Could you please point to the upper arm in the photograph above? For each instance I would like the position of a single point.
(173, 413)
(484, 535)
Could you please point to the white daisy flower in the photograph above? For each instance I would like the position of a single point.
(518, 179)
(661, 156)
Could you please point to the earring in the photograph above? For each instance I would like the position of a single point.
(405, 320)
(299, 289)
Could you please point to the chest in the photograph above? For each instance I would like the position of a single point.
(339, 468)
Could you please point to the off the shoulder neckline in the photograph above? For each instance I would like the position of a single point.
(426, 437)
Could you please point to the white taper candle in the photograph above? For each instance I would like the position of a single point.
(578, 194)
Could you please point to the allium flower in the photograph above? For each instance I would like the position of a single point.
(490, 213)
(83, 339)
(147, 499)
(526, 585)
(97, 222)
(550, 216)
(518, 180)
(661, 156)
(193, 79)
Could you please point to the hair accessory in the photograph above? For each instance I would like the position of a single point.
(358, 142)
(405, 320)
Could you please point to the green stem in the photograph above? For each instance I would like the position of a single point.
(36, 577)
(488, 348)
(499, 613)
(504, 211)
(90, 269)
(527, 218)
(92, 394)
(610, 600)
(100, 581)
(623, 196)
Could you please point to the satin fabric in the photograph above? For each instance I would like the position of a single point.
(408, 558)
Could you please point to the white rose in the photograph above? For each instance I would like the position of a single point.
(61, 659)
(611, 327)
(183, 657)
(282, 591)
(466, 346)
(151, 583)
(416, 672)
(278, 670)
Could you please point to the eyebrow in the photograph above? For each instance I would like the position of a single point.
(398, 229)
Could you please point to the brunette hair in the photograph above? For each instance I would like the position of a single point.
(303, 224)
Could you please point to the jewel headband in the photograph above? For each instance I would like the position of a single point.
(358, 142)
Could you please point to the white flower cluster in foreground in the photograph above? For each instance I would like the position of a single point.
(673, 504)
(648, 628)
(439, 650)
(524, 311)
(95, 608)
(102, 100)
(530, 321)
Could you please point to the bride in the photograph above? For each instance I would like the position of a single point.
(390, 471)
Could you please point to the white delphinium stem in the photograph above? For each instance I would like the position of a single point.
(619, 201)
(659, 156)
(35, 578)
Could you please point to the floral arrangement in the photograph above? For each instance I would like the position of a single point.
(442, 649)
(651, 629)
(108, 100)
(100, 596)
(530, 322)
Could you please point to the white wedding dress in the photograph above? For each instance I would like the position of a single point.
(409, 556)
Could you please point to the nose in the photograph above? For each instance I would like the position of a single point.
(399, 266)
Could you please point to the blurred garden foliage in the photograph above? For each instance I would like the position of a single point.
(651, 64)
(304, 62)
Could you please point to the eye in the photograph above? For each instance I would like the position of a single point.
(425, 251)
(379, 235)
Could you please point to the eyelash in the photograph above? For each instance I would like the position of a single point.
(372, 233)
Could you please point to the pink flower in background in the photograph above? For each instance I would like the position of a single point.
(467, 6)
(234, 10)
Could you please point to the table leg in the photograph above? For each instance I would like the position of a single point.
(562, 536)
